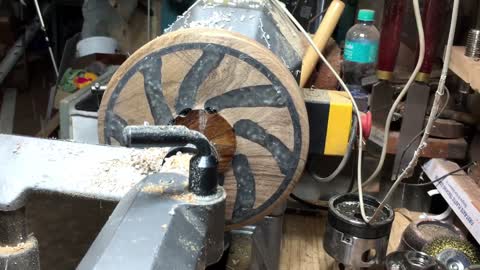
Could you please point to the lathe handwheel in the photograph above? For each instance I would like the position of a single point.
(233, 90)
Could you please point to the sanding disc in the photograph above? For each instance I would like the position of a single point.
(233, 90)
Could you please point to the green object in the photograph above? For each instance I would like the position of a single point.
(67, 82)
(361, 51)
(366, 15)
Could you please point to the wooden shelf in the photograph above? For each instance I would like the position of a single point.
(465, 67)
(460, 191)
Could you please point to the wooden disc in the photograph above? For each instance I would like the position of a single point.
(216, 129)
(245, 83)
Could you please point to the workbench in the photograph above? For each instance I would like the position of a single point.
(302, 245)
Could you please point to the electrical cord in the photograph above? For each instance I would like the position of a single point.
(410, 143)
(357, 111)
(344, 160)
(433, 112)
(344, 87)
(421, 55)
(441, 178)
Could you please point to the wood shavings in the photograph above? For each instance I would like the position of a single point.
(17, 248)
(179, 163)
(137, 165)
(151, 188)
(185, 197)
(149, 160)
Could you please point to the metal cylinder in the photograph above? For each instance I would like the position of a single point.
(472, 49)
(411, 260)
(349, 240)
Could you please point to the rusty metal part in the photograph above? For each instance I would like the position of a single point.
(463, 117)
(436, 148)
(447, 129)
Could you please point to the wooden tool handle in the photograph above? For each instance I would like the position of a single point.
(324, 31)
(432, 16)
(390, 37)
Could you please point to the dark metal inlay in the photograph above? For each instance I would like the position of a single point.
(245, 199)
(151, 70)
(280, 152)
(115, 127)
(199, 72)
(250, 96)
(297, 131)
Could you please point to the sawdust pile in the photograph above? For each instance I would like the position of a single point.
(14, 249)
(148, 161)
(179, 163)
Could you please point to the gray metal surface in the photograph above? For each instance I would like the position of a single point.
(257, 247)
(93, 171)
(349, 250)
(411, 260)
(160, 225)
(7, 110)
(412, 123)
(381, 101)
(76, 123)
(472, 48)
(258, 20)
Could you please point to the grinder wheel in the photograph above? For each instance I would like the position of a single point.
(233, 90)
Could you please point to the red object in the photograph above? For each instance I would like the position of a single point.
(390, 37)
(432, 20)
(366, 124)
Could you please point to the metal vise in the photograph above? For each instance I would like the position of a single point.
(165, 221)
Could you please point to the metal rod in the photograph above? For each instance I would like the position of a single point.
(50, 51)
(149, 20)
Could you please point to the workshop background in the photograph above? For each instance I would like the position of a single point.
(58, 57)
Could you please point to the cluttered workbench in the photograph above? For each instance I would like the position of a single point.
(210, 144)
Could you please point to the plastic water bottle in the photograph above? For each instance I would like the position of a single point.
(360, 56)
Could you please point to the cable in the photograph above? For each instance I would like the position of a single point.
(436, 104)
(410, 143)
(344, 87)
(421, 39)
(357, 111)
(440, 178)
(344, 160)
(42, 24)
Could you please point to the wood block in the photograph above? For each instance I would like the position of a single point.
(465, 67)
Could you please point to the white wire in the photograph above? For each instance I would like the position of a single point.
(357, 111)
(436, 104)
(421, 39)
(344, 86)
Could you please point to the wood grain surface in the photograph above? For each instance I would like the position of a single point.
(232, 76)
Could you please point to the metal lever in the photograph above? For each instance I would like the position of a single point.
(203, 166)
